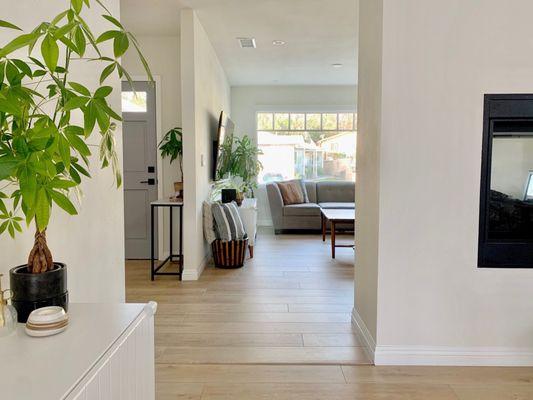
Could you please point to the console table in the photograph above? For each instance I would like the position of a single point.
(107, 352)
(248, 213)
(171, 256)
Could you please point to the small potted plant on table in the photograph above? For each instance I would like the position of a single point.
(44, 152)
(172, 146)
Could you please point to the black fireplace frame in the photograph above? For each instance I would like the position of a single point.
(492, 253)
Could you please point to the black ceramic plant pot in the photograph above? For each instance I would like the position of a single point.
(33, 291)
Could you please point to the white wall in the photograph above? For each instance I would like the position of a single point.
(163, 55)
(434, 305)
(206, 92)
(246, 101)
(92, 243)
(367, 168)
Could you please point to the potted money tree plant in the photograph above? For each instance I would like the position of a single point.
(46, 121)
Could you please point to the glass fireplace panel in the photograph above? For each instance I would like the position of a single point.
(510, 216)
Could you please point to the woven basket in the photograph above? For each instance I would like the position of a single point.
(229, 254)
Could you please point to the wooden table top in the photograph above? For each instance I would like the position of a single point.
(333, 214)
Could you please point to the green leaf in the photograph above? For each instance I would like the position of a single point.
(3, 208)
(59, 17)
(50, 52)
(75, 176)
(28, 186)
(42, 209)
(11, 230)
(5, 24)
(75, 102)
(108, 35)
(37, 62)
(7, 166)
(80, 89)
(102, 118)
(23, 67)
(64, 151)
(108, 110)
(89, 118)
(63, 201)
(120, 44)
(80, 169)
(113, 21)
(18, 42)
(106, 72)
(79, 145)
(81, 42)
(3, 227)
(70, 44)
(77, 5)
(62, 184)
(103, 91)
(60, 32)
(143, 59)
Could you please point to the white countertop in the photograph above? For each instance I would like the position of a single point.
(47, 368)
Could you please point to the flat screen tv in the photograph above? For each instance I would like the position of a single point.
(224, 133)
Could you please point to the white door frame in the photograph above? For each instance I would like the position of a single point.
(159, 137)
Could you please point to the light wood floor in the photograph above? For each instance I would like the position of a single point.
(279, 328)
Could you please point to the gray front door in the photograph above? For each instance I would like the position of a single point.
(140, 169)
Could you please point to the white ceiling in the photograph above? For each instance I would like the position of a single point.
(318, 33)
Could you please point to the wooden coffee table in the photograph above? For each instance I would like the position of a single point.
(336, 216)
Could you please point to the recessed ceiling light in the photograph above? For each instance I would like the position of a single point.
(247, 43)
(336, 65)
(278, 42)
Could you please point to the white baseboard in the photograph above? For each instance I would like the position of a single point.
(440, 355)
(364, 335)
(190, 274)
(453, 356)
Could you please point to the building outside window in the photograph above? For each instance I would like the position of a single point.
(311, 146)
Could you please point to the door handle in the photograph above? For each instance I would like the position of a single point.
(150, 181)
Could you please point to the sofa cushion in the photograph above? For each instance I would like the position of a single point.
(310, 187)
(292, 192)
(302, 210)
(337, 205)
(228, 222)
(335, 191)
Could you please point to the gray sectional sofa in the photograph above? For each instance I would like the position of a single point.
(306, 216)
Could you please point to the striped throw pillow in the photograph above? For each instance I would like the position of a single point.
(228, 221)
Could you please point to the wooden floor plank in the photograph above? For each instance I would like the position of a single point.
(261, 355)
(326, 391)
(170, 338)
(249, 373)
(440, 375)
(267, 317)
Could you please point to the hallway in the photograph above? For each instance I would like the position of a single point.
(280, 328)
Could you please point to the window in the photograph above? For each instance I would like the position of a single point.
(134, 102)
(312, 146)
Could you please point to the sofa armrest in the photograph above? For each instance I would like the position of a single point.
(276, 205)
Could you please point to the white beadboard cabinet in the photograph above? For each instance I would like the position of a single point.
(107, 353)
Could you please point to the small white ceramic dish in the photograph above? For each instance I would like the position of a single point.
(31, 332)
(47, 315)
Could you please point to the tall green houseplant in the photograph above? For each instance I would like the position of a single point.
(239, 159)
(43, 150)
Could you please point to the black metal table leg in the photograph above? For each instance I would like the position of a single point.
(152, 256)
(181, 241)
(171, 235)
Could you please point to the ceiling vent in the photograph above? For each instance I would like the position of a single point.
(247, 43)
